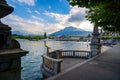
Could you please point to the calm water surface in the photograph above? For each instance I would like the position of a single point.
(31, 62)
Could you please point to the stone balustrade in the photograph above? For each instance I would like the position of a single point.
(52, 60)
(51, 66)
(76, 53)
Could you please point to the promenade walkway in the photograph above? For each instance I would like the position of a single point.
(69, 62)
(105, 66)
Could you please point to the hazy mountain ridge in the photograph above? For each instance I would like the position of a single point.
(71, 31)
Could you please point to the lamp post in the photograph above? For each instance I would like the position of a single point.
(95, 42)
(5, 38)
(10, 51)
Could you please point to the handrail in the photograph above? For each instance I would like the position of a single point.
(55, 54)
(52, 65)
(76, 53)
(52, 62)
(52, 59)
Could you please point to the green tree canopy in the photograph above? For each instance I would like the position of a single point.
(45, 35)
(104, 13)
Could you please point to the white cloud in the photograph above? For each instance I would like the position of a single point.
(12, 5)
(77, 14)
(37, 18)
(86, 25)
(30, 26)
(37, 12)
(37, 25)
(59, 17)
(75, 18)
(29, 2)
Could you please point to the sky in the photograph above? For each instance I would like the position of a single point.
(39, 16)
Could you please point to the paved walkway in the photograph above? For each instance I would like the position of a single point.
(69, 62)
(102, 67)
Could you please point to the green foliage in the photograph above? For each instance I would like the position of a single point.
(89, 35)
(45, 35)
(50, 37)
(106, 37)
(27, 37)
(104, 13)
(110, 37)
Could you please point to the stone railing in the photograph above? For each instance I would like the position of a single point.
(76, 53)
(51, 64)
(52, 60)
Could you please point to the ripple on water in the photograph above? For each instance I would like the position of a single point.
(31, 62)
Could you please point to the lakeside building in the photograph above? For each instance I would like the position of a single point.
(72, 38)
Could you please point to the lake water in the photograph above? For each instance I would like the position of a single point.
(31, 62)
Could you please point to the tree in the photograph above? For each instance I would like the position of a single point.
(89, 35)
(45, 35)
(104, 13)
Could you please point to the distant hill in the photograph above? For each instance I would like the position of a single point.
(22, 33)
(17, 32)
(71, 31)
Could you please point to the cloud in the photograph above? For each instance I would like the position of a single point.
(86, 25)
(37, 18)
(75, 18)
(12, 5)
(58, 17)
(39, 25)
(77, 14)
(29, 2)
(30, 26)
(37, 12)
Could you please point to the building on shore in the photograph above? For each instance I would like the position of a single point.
(71, 38)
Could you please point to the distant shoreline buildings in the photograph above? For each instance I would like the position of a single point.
(72, 38)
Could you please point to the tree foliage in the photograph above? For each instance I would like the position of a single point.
(45, 35)
(104, 13)
(37, 37)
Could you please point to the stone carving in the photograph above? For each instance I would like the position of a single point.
(5, 30)
(10, 52)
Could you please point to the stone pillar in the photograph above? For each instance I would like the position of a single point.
(10, 52)
(95, 42)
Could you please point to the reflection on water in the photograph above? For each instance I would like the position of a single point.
(32, 61)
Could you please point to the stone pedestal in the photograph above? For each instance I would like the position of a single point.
(10, 63)
(95, 42)
(10, 55)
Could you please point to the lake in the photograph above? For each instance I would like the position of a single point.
(31, 62)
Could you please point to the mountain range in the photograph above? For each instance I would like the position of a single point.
(71, 31)
(67, 31)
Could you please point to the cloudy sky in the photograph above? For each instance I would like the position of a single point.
(39, 16)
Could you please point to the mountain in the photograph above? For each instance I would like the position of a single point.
(71, 31)
(22, 33)
(17, 32)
